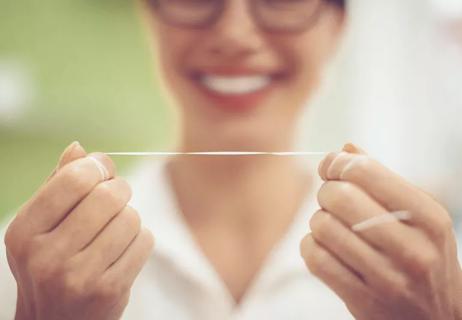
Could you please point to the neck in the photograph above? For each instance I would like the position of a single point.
(245, 192)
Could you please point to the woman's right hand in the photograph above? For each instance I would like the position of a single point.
(75, 247)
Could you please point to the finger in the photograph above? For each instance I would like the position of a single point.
(345, 283)
(405, 244)
(129, 265)
(376, 270)
(348, 202)
(111, 243)
(324, 164)
(339, 161)
(92, 214)
(77, 152)
(348, 151)
(73, 152)
(64, 191)
(393, 192)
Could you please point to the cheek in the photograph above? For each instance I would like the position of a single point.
(310, 56)
(172, 46)
(305, 71)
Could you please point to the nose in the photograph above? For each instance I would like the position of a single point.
(236, 33)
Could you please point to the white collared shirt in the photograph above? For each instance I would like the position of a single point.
(178, 282)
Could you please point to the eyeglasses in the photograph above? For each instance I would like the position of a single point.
(270, 15)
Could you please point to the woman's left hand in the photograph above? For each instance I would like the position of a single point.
(396, 270)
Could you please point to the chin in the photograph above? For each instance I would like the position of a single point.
(261, 122)
(248, 137)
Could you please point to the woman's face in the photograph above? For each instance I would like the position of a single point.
(238, 85)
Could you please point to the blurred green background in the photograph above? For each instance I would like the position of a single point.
(87, 72)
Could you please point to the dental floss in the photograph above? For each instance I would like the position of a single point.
(363, 225)
(101, 168)
(217, 153)
(381, 219)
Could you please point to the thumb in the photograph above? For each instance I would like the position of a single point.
(72, 152)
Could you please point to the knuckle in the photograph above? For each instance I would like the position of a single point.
(320, 225)
(305, 246)
(47, 247)
(358, 166)
(125, 188)
(73, 285)
(77, 177)
(109, 290)
(395, 286)
(316, 259)
(43, 260)
(41, 269)
(322, 168)
(106, 190)
(25, 250)
(15, 236)
(443, 226)
(131, 218)
(337, 194)
(125, 299)
(56, 250)
(34, 246)
(114, 191)
(11, 239)
(423, 261)
(345, 191)
(147, 239)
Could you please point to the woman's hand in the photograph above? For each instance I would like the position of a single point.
(75, 248)
(397, 270)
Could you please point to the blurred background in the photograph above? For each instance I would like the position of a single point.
(82, 70)
(72, 70)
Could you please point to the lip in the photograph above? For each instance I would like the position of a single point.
(236, 71)
(236, 102)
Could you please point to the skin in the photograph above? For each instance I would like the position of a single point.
(391, 271)
(230, 44)
(75, 247)
(232, 229)
(72, 258)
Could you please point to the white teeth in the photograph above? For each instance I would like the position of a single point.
(235, 84)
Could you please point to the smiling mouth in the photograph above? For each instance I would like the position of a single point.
(236, 88)
(235, 85)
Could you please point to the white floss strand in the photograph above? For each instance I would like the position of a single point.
(101, 168)
(218, 153)
(381, 219)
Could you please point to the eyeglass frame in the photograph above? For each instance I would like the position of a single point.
(215, 16)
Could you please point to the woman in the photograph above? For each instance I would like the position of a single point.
(228, 229)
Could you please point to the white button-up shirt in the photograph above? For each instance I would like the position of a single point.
(178, 282)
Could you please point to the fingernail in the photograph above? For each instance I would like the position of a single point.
(68, 149)
(79, 147)
(71, 146)
(352, 148)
